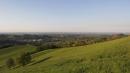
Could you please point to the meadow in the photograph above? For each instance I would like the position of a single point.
(104, 57)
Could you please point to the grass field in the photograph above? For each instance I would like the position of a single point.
(14, 52)
(106, 57)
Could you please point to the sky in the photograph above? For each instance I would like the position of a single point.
(64, 15)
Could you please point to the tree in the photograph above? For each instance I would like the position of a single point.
(24, 59)
(10, 63)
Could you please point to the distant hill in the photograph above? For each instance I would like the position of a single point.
(107, 57)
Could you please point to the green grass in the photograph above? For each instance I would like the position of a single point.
(107, 57)
(13, 52)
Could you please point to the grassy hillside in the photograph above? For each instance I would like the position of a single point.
(106, 57)
(14, 52)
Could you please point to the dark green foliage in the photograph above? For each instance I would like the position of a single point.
(24, 59)
(46, 46)
(74, 40)
(10, 63)
(52, 41)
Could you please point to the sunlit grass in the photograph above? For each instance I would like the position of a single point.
(107, 57)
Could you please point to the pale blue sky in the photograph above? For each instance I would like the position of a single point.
(64, 15)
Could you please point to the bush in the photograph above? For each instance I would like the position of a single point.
(24, 59)
(10, 63)
(46, 46)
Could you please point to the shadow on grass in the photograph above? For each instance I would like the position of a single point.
(41, 60)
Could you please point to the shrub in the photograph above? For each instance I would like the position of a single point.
(46, 46)
(10, 63)
(24, 59)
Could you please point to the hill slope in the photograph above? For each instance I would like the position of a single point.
(106, 57)
(14, 52)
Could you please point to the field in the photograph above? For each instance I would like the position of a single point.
(14, 52)
(106, 57)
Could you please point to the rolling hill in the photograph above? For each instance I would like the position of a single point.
(14, 52)
(106, 57)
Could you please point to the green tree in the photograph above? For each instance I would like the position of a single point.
(24, 59)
